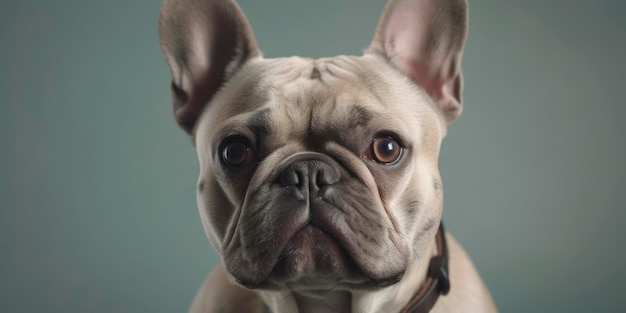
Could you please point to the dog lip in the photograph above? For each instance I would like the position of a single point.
(315, 223)
(247, 283)
(330, 227)
(376, 281)
(388, 281)
(328, 231)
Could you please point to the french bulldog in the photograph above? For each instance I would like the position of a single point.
(319, 185)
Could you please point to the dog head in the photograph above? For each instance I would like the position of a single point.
(317, 172)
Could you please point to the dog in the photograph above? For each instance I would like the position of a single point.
(319, 185)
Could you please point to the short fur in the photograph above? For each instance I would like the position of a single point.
(314, 223)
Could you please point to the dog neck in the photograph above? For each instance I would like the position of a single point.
(390, 299)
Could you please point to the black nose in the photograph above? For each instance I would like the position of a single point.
(310, 174)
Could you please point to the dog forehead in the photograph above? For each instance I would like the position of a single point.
(303, 94)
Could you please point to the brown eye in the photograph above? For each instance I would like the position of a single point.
(237, 153)
(386, 150)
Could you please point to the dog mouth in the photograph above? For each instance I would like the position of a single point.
(310, 238)
(314, 255)
(320, 245)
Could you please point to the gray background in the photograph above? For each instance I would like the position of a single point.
(97, 209)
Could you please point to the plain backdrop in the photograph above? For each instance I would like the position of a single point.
(97, 198)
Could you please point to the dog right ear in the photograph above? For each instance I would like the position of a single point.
(204, 42)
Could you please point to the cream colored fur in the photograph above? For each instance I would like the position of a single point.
(406, 86)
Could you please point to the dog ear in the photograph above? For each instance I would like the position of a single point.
(204, 42)
(425, 39)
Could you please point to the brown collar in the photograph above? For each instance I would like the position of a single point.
(437, 281)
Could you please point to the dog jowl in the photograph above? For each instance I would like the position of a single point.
(319, 184)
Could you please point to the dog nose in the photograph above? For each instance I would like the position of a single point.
(313, 174)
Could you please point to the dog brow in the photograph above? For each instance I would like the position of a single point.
(261, 121)
(357, 116)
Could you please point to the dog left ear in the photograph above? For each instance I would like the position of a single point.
(204, 41)
(425, 39)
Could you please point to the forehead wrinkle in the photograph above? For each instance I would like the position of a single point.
(287, 119)
(351, 68)
(322, 110)
(351, 116)
(284, 70)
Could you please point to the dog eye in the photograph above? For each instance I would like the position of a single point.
(237, 152)
(386, 150)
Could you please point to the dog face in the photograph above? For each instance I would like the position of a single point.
(317, 173)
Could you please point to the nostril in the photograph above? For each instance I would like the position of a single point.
(309, 174)
(289, 178)
(321, 179)
(326, 176)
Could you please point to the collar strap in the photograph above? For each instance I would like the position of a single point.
(437, 281)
